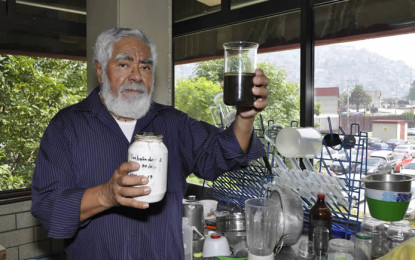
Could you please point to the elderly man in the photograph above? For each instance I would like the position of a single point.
(81, 188)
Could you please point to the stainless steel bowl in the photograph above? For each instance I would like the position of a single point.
(293, 215)
(230, 222)
(388, 182)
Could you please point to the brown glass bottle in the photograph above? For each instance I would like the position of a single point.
(320, 216)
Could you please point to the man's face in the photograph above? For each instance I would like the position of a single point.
(130, 62)
(128, 82)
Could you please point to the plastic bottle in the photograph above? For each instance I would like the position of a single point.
(320, 216)
(187, 239)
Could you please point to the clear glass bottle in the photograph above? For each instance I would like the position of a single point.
(152, 155)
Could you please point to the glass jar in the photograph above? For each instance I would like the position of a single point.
(379, 245)
(397, 233)
(152, 155)
(362, 246)
(341, 249)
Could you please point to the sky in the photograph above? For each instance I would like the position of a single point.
(401, 47)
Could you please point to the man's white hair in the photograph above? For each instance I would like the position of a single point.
(105, 41)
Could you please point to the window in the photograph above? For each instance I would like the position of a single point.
(32, 90)
(199, 70)
(42, 69)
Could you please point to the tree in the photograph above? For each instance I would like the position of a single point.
(195, 96)
(359, 97)
(317, 109)
(284, 97)
(411, 95)
(32, 90)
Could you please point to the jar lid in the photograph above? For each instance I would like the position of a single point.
(215, 236)
(364, 236)
(321, 196)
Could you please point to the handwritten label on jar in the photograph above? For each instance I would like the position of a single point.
(152, 155)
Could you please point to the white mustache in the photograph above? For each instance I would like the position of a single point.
(135, 87)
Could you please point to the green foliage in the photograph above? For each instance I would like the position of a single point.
(283, 100)
(411, 95)
(211, 70)
(195, 96)
(284, 97)
(32, 90)
(317, 109)
(360, 97)
(408, 116)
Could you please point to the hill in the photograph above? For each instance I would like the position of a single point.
(343, 66)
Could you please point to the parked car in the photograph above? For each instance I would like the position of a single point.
(375, 165)
(373, 140)
(348, 166)
(380, 147)
(388, 156)
(410, 170)
(402, 159)
(328, 158)
(411, 131)
(395, 142)
(405, 148)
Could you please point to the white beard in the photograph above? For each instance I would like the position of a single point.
(133, 106)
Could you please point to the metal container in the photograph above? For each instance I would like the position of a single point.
(230, 222)
(388, 182)
(291, 224)
(193, 210)
(232, 225)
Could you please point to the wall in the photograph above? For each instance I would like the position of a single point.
(22, 235)
(153, 17)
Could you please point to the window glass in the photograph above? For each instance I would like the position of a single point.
(73, 11)
(188, 9)
(199, 71)
(243, 3)
(363, 81)
(32, 91)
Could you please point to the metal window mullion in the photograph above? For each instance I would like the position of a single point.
(307, 64)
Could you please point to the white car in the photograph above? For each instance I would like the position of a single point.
(410, 170)
(405, 148)
(411, 131)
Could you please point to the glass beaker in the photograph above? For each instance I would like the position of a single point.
(239, 71)
(261, 226)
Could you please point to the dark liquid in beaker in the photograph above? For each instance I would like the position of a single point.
(237, 89)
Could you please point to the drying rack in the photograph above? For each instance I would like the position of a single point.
(234, 187)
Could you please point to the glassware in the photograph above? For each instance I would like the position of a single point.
(305, 250)
(376, 229)
(341, 249)
(379, 246)
(362, 246)
(261, 227)
(150, 152)
(321, 239)
(239, 71)
(398, 232)
(320, 216)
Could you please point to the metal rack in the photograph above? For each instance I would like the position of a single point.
(234, 187)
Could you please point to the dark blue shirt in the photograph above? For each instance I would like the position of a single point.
(81, 148)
